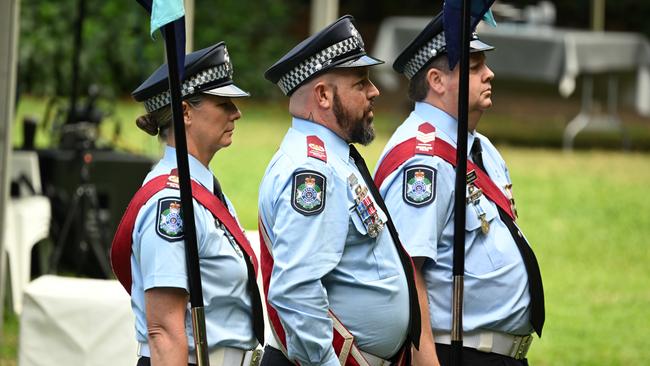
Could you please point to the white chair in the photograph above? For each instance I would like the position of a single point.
(25, 163)
(27, 221)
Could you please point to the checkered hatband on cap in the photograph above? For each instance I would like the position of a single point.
(223, 71)
(430, 50)
(317, 62)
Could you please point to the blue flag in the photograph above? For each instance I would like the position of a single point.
(164, 12)
(480, 9)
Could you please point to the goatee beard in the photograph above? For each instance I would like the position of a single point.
(358, 131)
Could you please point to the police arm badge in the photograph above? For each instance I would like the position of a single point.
(308, 192)
(419, 185)
(169, 220)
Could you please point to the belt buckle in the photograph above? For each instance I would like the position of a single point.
(520, 347)
(256, 357)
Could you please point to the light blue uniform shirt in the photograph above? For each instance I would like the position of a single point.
(496, 282)
(327, 260)
(156, 262)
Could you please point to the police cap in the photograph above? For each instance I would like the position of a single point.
(206, 71)
(338, 45)
(427, 46)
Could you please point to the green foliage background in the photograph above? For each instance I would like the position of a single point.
(118, 53)
(117, 50)
(256, 33)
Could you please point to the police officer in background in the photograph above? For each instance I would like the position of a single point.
(503, 292)
(339, 285)
(153, 266)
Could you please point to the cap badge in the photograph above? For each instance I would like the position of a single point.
(355, 34)
(226, 55)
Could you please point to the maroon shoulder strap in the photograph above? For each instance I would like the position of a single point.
(121, 247)
(414, 146)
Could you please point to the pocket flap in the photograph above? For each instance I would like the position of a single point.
(472, 215)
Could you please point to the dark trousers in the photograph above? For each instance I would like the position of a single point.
(472, 357)
(146, 361)
(274, 357)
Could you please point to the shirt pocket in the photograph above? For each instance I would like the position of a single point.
(356, 223)
(369, 258)
(482, 255)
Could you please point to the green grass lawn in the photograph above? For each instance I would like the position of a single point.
(588, 220)
(586, 214)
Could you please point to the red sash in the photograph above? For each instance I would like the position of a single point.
(342, 341)
(411, 147)
(121, 247)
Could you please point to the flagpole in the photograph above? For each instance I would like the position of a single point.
(187, 211)
(460, 188)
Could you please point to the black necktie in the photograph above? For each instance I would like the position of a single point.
(535, 286)
(218, 192)
(414, 306)
(256, 301)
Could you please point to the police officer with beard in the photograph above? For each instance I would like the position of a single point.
(339, 286)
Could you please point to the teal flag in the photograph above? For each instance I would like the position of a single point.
(164, 12)
(489, 18)
(171, 12)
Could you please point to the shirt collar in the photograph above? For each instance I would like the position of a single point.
(443, 122)
(198, 171)
(333, 142)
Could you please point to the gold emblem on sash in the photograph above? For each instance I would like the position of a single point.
(513, 207)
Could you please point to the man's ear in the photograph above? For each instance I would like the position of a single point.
(323, 95)
(436, 80)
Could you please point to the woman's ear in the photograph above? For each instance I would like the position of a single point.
(187, 113)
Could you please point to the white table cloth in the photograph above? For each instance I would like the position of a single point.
(74, 321)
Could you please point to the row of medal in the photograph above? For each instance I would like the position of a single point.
(365, 207)
(474, 194)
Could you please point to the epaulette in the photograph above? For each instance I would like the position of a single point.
(316, 148)
(424, 139)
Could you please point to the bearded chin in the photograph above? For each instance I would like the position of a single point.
(358, 131)
(363, 132)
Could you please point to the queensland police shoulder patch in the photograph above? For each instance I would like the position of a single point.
(308, 192)
(419, 187)
(169, 222)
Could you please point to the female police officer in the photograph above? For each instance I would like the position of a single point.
(152, 228)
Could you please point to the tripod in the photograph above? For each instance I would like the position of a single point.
(84, 208)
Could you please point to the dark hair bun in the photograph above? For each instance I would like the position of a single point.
(147, 124)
